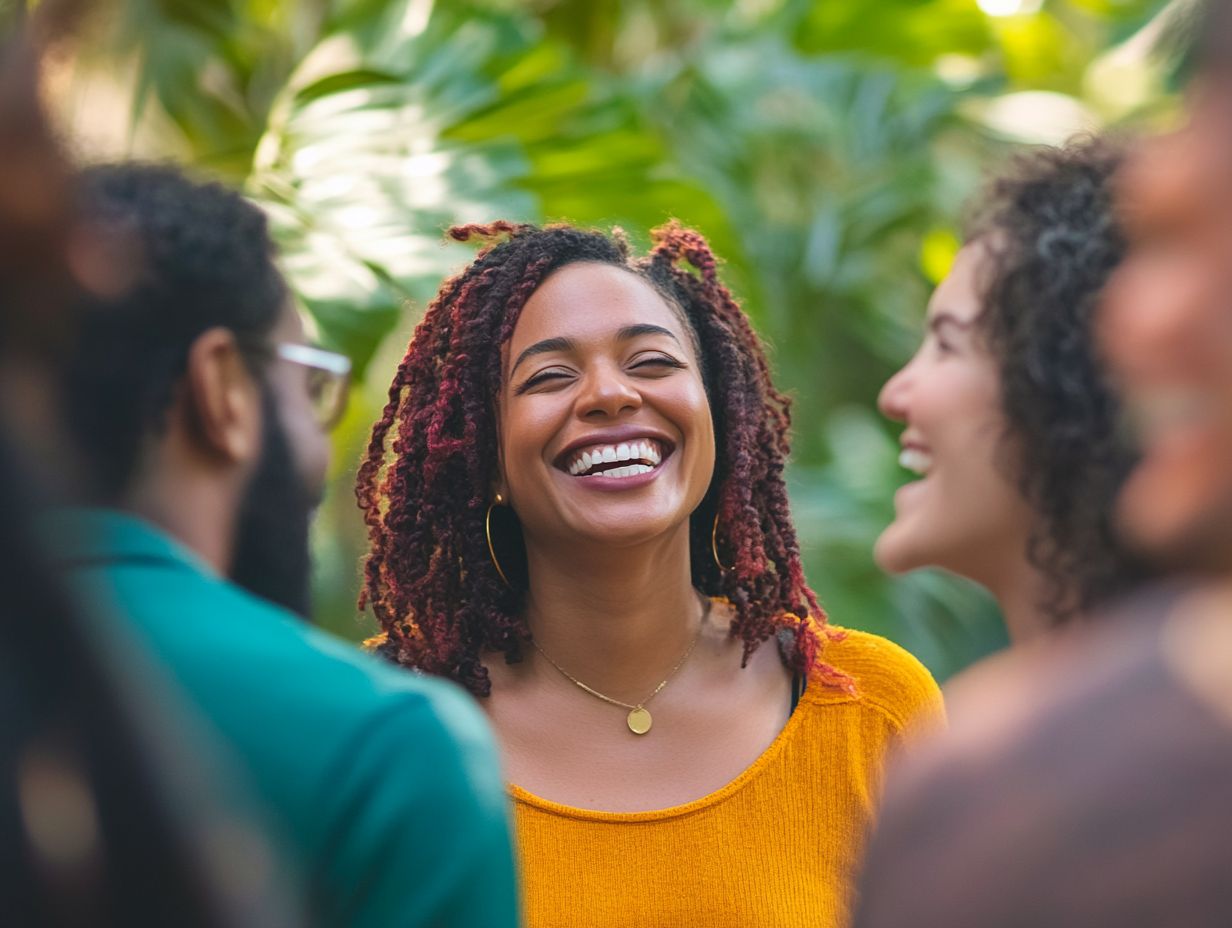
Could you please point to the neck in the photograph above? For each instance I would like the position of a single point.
(617, 619)
(191, 505)
(1019, 592)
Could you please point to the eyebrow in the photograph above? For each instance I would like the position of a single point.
(544, 347)
(567, 344)
(944, 317)
(634, 331)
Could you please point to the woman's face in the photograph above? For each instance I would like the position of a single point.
(963, 513)
(1166, 329)
(605, 429)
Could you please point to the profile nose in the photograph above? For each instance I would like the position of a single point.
(607, 393)
(894, 395)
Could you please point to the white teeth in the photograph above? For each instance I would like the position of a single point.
(915, 460)
(645, 453)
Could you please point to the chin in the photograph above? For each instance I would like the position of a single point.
(1160, 510)
(895, 554)
(1187, 538)
(630, 536)
(618, 527)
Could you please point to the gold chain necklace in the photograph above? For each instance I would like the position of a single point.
(638, 719)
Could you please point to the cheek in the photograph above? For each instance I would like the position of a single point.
(690, 408)
(959, 411)
(973, 459)
(526, 427)
(310, 445)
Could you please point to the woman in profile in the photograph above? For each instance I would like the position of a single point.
(1010, 423)
(576, 508)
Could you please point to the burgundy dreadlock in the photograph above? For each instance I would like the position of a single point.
(425, 492)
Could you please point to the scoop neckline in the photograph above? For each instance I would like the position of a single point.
(815, 694)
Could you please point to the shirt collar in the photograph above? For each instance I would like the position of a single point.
(77, 535)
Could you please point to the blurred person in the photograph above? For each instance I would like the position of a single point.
(1010, 421)
(1091, 784)
(107, 815)
(199, 413)
(576, 506)
(115, 808)
(1167, 328)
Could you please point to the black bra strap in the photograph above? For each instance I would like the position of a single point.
(797, 690)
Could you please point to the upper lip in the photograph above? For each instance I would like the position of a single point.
(908, 440)
(615, 436)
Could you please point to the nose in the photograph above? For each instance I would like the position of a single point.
(894, 396)
(607, 393)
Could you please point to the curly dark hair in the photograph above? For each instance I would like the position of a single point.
(202, 257)
(1052, 238)
(425, 491)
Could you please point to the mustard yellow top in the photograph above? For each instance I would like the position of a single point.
(775, 847)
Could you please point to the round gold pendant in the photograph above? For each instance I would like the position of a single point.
(639, 721)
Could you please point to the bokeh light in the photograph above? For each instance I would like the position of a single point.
(1010, 7)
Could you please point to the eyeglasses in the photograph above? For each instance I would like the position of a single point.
(329, 375)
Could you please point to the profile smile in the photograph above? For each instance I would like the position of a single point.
(915, 459)
(915, 455)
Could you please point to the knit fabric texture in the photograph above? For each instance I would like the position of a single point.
(776, 847)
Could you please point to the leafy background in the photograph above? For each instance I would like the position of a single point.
(825, 148)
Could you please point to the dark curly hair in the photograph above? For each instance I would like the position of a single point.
(1052, 239)
(202, 257)
(425, 491)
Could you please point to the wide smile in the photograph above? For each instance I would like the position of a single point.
(616, 461)
(915, 459)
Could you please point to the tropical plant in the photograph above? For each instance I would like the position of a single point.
(822, 148)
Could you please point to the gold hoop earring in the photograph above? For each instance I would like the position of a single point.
(714, 545)
(487, 531)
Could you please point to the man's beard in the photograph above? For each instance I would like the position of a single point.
(272, 557)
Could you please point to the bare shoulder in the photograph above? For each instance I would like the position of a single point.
(885, 675)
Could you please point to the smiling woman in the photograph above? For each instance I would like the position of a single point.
(576, 506)
(1011, 424)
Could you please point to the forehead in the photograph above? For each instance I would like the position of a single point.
(590, 302)
(958, 295)
(1184, 174)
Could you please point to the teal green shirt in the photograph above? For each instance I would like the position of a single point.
(384, 785)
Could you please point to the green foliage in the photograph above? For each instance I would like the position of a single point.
(824, 148)
(907, 31)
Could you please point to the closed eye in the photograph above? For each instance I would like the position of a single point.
(659, 361)
(949, 332)
(541, 378)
